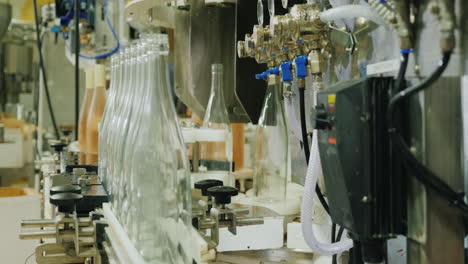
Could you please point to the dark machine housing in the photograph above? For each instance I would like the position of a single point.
(365, 181)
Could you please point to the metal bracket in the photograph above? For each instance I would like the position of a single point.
(142, 13)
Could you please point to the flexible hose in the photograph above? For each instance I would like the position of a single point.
(305, 143)
(351, 11)
(313, 171)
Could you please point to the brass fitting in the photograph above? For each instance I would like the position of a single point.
(287, 37)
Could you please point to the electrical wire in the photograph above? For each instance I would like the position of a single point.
(77, 66)
(401, 73)
(42, 66)
(338, 238)
(26, 260)
(333, 238)
(421, 172)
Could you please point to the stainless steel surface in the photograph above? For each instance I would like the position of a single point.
(212, 38)
(271, 256)
(18, 59)
(240, 221)
(435, 229)
(5, 18)
(53, 234)
(182, 63)
(51, 223)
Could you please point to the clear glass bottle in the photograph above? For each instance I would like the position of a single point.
(271, 146)
(113, 128)
(216, 155)
(163, 201)
(96, 110)
(134, 124)
(121, 127)
(85, 107)
(107, 117)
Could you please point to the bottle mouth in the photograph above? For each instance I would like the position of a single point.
(217, 67)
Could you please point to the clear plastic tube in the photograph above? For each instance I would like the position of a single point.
(351, 11)
(313, 171)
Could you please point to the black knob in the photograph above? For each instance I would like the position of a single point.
(65, 202)
(65, 189)
(222, 194)
(206, 184)
(58, 146)
(66, 132)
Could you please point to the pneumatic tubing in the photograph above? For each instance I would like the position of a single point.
(313, 170)
(351, 11)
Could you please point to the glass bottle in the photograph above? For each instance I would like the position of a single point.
(216, 155)
(96, 110)
(163, 201)
(113, 129)
(121, 127)
(106, 118)
(134, 125)
(85, 107)
(271, 146)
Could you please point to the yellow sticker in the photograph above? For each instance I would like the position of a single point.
(331, 98)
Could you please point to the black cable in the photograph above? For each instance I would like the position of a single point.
(77, 66)
(26, 260)
(305, 142)
(338, 238)
(333, 238)
(401, 73)
(44, 75)
(421, 172)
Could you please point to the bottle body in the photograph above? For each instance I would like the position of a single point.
(84, 112)
(107, 120)
(271, 147)
(160, 193)
(141, 86)
(95, 115)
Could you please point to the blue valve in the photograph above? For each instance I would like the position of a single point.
(274, 71)
(286, 71)
(262, 76)
(55, 29)
(301, 67)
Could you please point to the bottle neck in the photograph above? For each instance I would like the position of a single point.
(217, 86)
(272, 106)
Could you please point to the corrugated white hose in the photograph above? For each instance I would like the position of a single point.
(351, 11)
(313, 171)
(291, 117)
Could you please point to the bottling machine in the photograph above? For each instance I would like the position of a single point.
(370, 92)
